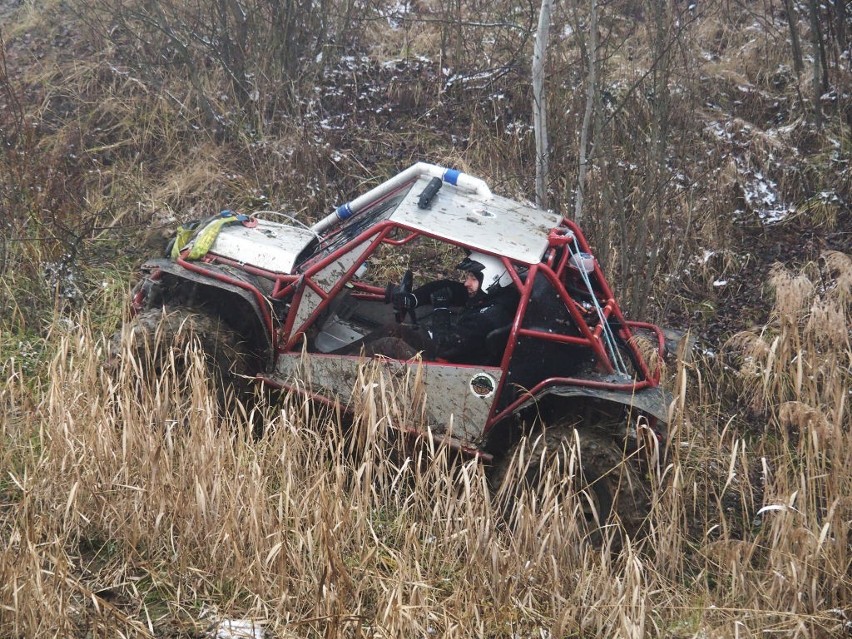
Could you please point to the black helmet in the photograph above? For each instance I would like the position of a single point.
(489, 270)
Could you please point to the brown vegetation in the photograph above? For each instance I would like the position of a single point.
(132, 507)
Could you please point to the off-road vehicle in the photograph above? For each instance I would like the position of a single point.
(281, 302)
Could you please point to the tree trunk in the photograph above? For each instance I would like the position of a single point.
(818, 80)
(798, 65)
(542, 152)
(840, 24)
(591, 90)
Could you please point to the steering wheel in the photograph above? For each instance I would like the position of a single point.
(406, 286)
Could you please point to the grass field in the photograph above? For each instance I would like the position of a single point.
(132, 509)
(717, 201)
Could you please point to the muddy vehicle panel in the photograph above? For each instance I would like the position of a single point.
(303, 300)
(458, 397)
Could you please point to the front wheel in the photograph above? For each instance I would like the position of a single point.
(565, 462)
(159, 336)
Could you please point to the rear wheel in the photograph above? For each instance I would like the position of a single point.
(588, 464)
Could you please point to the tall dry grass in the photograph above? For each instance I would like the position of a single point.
(137, 509)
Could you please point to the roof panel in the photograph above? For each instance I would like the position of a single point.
(497, 225)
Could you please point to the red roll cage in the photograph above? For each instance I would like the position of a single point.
(553, 266)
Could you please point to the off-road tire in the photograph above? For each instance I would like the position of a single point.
(609, 481)
(156, 331)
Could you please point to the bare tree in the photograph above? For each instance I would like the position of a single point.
(840, 25)
(250, 50)
(645, 246)
(820, 66)
(591, 96)
(542, 151)
(798, 65)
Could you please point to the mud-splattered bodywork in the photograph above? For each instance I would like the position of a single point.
(301, 299)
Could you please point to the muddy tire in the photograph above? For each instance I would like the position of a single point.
(610, 491)
(158, 334)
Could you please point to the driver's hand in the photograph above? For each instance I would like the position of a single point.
(403, 301)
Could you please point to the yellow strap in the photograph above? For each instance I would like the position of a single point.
(184, 235)
(205, 237)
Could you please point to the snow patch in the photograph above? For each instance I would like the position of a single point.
(238, 629)
(761, 195)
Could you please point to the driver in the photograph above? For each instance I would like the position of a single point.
(487, 299)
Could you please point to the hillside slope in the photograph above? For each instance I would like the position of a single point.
(717, 199)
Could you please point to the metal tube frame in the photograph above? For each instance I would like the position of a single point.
(288, 337)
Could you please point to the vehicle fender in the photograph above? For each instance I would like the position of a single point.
(261, 335)
(654, 401)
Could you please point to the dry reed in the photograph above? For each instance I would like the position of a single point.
(138, 508)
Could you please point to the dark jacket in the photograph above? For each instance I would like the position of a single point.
(463, 337)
